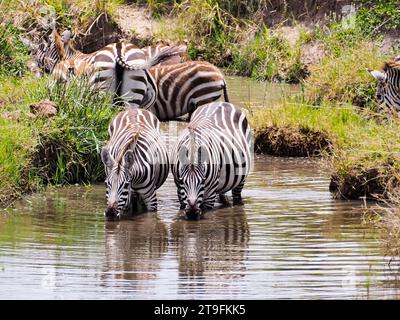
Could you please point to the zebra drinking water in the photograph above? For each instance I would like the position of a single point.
(135, 160)
(388, 89)
(211, 157)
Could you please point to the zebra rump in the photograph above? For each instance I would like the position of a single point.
(135, 160)
(211, 157)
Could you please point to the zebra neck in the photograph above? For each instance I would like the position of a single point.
(151, 92)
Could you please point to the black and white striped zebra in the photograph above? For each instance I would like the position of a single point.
(151, 51)
(49, 54)
(136, 162)
(211, 157)
(104, 73)
(178, 89)
(388, 89)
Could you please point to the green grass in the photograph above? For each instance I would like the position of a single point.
(64, 149)
(13, 53)
(361, 142)
(17, 142)
(76, 135)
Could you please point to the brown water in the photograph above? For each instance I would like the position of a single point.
(289, 240)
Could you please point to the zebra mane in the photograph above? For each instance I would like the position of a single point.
(134, 132)
(192, 144)
(59, 45)
(393, 63)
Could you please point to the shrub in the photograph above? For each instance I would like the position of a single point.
(70, 146)
(13, 53)
(378, 15)
(343, 77)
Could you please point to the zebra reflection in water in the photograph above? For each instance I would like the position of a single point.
(134, 248)
(211, 248)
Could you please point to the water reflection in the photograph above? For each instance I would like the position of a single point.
(289, 240)
(214, 246)
(134, 247)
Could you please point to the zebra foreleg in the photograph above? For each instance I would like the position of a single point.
(150, 199)
(223, 199)
(237, 194)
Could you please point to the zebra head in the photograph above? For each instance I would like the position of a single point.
(191, 181)
(191, 177)
(118, 183)
(388, 89)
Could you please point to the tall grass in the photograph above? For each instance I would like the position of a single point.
(343, 76)
(70, 146)
(35, 151)
(13, 53)
(362, 144)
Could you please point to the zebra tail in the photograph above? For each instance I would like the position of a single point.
(158, 58)
(226, 98)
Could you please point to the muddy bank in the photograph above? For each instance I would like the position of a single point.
(291, 142)
(374, 184)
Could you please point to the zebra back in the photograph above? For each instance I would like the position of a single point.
(181, 88)
(151, 51)
(139, 131)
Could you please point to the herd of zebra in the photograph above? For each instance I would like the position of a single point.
(212, 154)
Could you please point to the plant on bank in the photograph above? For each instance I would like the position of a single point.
(69, 149)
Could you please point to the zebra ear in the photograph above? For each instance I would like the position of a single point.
(106, 158)
(129, 158)
(378, 75)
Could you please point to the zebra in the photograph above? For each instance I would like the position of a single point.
(151, 51)
(136, 162)
(104, 73)
(211, 157)
(178, 89)
(388, 89)
(48, 54)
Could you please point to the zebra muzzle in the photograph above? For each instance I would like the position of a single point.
(111, 212)
(192, 210)
(193, 214)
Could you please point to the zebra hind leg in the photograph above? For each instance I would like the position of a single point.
(237, 194)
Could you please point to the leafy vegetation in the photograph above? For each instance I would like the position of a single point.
(64, 149)
(13, 53)
(378, 15)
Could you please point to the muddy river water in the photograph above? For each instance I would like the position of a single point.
(289, 240)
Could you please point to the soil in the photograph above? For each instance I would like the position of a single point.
(286, 141)
(362, 183)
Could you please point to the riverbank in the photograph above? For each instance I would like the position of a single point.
(50, 134)
(335, 116)
(363, 152)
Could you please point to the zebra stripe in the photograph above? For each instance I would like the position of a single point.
(211, 156)
(176, 90)
(388, 89)
(105, 70)
(136, 161)
(151, 51)
(49, 54)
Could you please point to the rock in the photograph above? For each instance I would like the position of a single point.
(45, 108)
(16, 115)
